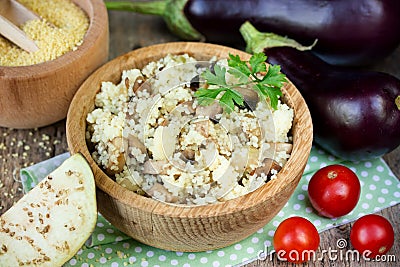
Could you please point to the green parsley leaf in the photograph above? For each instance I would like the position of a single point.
(274, 77)
(207, 96)
(271, 83)
(268, 87)
(229, 98)
(269, 92)
(215, 79)
(237, 97)
(241, 66)
(257, 63)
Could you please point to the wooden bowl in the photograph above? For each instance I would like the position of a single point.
(38, 95)
(178, 228)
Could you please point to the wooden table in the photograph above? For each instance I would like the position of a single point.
(21, 148)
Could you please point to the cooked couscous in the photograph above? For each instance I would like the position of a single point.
(62, 29)
(150, 133)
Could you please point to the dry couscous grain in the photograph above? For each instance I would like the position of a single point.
(62, 29)
(155, 139)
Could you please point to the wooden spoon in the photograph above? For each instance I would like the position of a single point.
(12, 15)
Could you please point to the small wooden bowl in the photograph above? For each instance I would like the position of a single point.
(197, 228)
(38, 95)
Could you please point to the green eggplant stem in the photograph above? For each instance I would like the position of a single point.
(397, 101)
(257, 41)
(170, 10)
(151, 8)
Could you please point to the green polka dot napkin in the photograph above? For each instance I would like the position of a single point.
(110, 247)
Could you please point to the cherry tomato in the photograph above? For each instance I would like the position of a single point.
(372, 235)
(334, 190)
(296, 239)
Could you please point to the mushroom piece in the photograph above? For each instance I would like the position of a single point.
(140, 85)
(269, 151)
(281, 146)
(266, 168)
(188, 155)
(210, 111)
(154, 167)
(114, 149)
(159, 188)
(133, 141)
(128, 185)
(202, 127)
(197, 80)
(195, 83)
(189, 106)
(250, 97)
(287, 147)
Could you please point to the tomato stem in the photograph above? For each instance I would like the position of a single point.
(382, 249)
(332, 175)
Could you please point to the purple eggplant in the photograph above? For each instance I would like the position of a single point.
(348, 32)
(355, 113)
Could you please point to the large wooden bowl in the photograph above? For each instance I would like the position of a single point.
(195, 228)
(38, 95)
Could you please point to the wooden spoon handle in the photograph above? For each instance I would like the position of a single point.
(16, 13)
(15, 35)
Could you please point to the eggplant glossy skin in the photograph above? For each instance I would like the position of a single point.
(354, 113)
(349, 32)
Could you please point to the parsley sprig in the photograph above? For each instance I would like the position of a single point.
(268, 86)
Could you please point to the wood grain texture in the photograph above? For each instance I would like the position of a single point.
(129, 31)
(180, 228)
(38, 95)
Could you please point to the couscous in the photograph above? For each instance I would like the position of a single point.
(61, 29)
(150, 134)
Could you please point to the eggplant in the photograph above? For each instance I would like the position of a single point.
(355, 113)
(348, 32)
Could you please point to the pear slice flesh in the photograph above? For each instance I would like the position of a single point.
(48, 225)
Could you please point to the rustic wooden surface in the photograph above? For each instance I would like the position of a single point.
(21, 148)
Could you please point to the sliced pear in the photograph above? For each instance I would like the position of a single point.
(48, 225)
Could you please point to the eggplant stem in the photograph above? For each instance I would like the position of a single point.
(397, 101)
(258, 41)
(150, 8)
(172, 11)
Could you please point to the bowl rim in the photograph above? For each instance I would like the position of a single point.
(297, 161)
(98, 17)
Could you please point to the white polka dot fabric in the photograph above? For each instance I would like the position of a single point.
(110, 247)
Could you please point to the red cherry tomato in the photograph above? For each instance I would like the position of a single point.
(334, 190)
(372, 235)
(296, 239)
